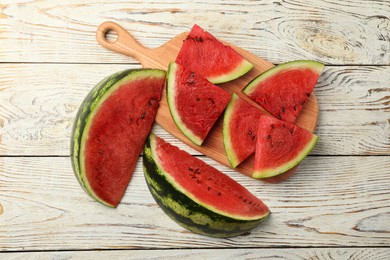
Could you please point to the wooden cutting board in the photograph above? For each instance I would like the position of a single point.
(160, 58)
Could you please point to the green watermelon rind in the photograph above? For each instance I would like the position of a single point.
(304, 64)
(238, 71)
(183, 209)
(85, 115)
(271, 172)
(231, 155)
(171, 83)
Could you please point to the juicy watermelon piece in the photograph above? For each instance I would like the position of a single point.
(280, 146)
(196, 195)
(111, 127)
(283, 89)
(195, 104)
(239, 130)
(204, 54)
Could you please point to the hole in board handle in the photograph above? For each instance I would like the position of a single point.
(111, 36)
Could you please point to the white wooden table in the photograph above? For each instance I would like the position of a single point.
(337, 206)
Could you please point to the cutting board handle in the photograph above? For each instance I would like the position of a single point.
(125, 43)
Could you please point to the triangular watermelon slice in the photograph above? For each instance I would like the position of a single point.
(283, 89)
(280, 146)
(195, 104)
(203, 53)
(240, 124)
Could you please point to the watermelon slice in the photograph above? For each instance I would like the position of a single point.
(204, 54)
(283, 89)
(197, 196)
(239, 130)
(110, 130)
(280, 146)
(195, 104)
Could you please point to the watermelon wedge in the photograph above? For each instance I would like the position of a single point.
(110, 130)
(240, 129)
(194, 103)
(283, 89)
(197, 196)
(280, 146)
(204, 54)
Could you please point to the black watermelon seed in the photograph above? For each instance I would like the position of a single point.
(198, 39)
(143, 115)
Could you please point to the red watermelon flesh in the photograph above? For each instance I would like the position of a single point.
(240, 130)
(206, 185)
(280, 146)
(284, 89)
(117, 136)
(195, 104)
(204, 54)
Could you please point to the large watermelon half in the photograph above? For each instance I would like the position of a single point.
(195, 104)
(197, 196)
(203, 53)
(110, 130)
(280, 146)
(283, 89)
(239, 130)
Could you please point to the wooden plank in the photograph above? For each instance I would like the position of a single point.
(285, 253)
(38, 103)
(334, 32)
(331, 201)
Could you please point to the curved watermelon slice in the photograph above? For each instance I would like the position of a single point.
(196, 195)
(283, 89)
(240, 124)
(204, 54)
(111, 127)
(195, 104)
(280, 146)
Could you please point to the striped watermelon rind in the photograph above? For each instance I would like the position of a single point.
(188, 213)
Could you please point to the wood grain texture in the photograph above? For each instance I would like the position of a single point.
(37, 107)
(333, 32)
(44, 208)
(187, 254)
